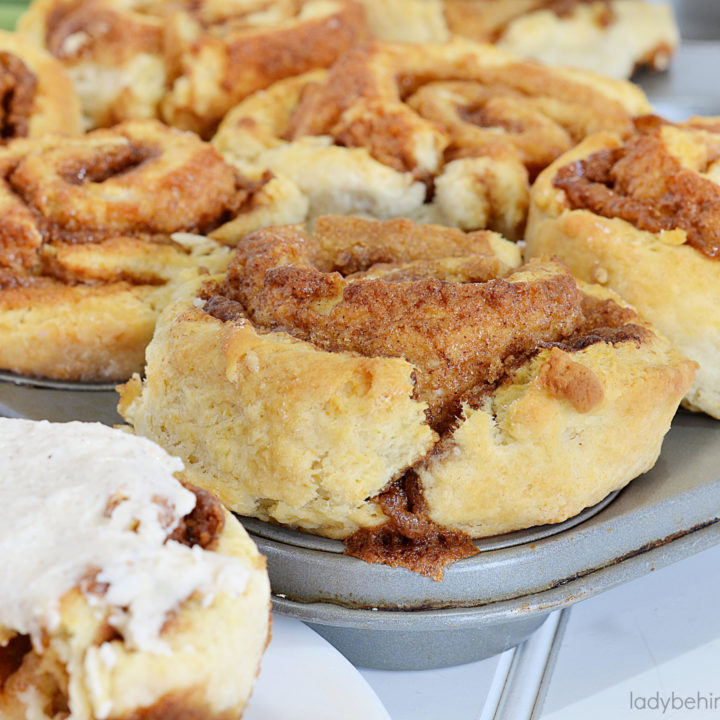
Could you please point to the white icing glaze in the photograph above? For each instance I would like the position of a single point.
(78, 498)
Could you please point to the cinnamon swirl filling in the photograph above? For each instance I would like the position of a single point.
(403, 103)
(138, 181)
(649, 186)
(464, 321)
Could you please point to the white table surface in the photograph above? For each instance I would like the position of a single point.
(657, 637)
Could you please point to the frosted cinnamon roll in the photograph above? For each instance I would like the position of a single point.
(37, 95)
(641, 216)
(443, 133)
(381, 382)
(612, 37)
(186, 62)
(124, 594)
(97, 231)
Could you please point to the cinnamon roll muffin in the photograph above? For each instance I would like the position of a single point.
(37, 94)
(641, 216)
(613, 37)
(186, 62)
(448, 134)
(97, 231)
(384, 382)
(124, 594)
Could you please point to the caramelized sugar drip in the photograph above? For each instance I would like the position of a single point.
(409, 538)
(17, 95)
(204, 524)
(642, 183)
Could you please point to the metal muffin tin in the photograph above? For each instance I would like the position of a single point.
(41, 399)
(391, 618)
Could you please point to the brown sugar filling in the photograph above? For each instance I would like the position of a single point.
(17, 96)
(111, 163)
(645, 186)
(11, 656)
(465, 338)
(203, 525)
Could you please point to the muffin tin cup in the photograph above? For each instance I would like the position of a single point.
(307, 567)
(391, 618)
(58, 401)
(423, 640)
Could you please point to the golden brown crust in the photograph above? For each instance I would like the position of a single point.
(351, 245)
(640, 217)
(89, 250)
(187, 62)
(567, 379)
(460, 126)
(342, 386)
